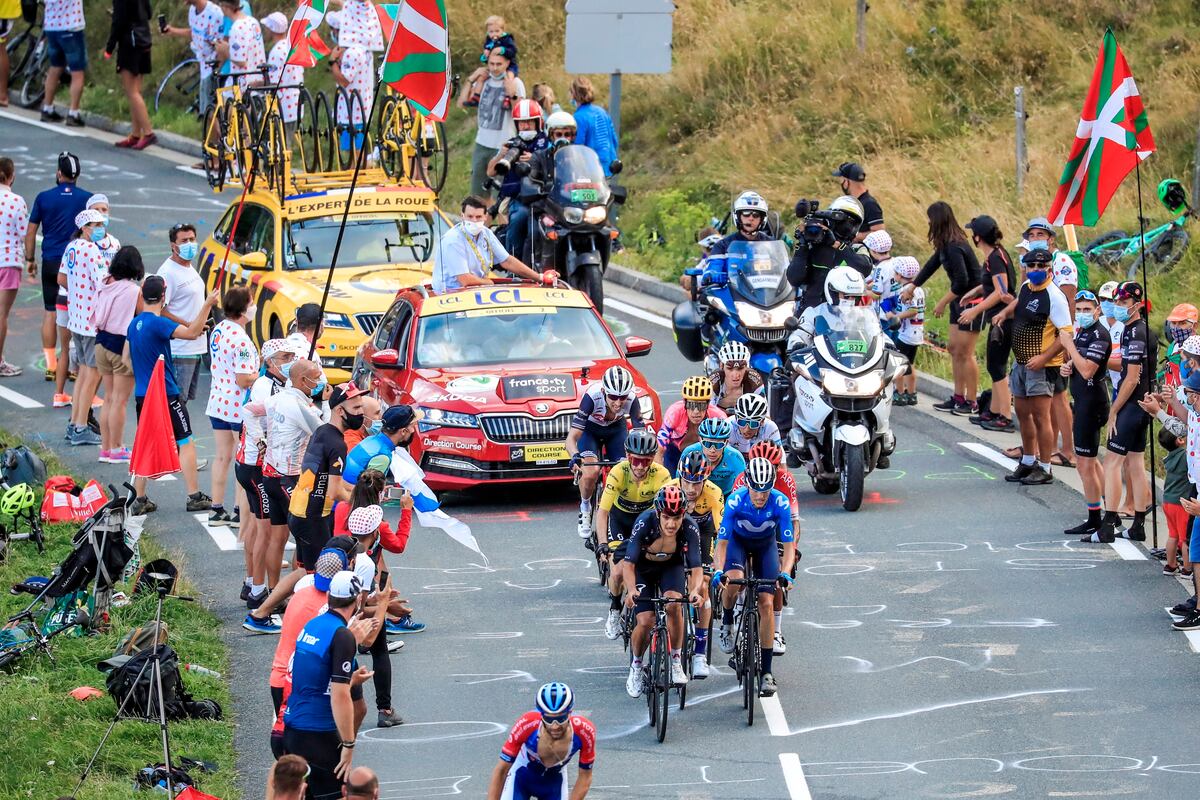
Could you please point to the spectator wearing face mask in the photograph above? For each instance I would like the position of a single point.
(1181, 324)
(1086, 369)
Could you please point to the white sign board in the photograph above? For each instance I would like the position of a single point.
(619, 36)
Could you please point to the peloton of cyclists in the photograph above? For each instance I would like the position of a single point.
(724, 462)
(681, 421)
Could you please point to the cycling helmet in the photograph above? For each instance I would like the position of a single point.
(617, 382)
(760, 474)
(18, 499)
(750, 407)
(555, 699)
(750, 201)
(844, 282)
(710, 241)
(560, 119)
(850, 217)
(768, 450)
(693, 467)
(733, 351)
(715, 429)
(1172, 195)
(697, 389)
(641, 442)
(670, 501)
(906, 267)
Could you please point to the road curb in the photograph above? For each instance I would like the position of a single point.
(646, 284)
(166, 139)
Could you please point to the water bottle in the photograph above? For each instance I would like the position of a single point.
(199, 670)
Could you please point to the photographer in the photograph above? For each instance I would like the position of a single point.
(530, 139)
(822, 243)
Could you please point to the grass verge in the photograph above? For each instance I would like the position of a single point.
(50, 737)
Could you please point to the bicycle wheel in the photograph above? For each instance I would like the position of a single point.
(213, 149)
(364, 141)
(238, 140)
(689, 648)
(750, 662)
(33, 80)
(344, 130)
(324, 135)
(304, 131)
(389, 144)
(663, 679)
(178, 87)
(20, 49)
(433, 161)
(649, 672)
(1167, 250)
(1096, 251)
(270, 152)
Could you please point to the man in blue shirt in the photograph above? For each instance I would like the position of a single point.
(149, 337)
(375, 452)
(469, 251)
(593, 125)
(54, 211)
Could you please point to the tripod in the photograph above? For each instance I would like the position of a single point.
(161, 585)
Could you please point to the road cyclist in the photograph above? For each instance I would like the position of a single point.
(751, 424)
(681, 421)
(534, 757)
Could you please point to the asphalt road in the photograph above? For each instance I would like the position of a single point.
(944, 641)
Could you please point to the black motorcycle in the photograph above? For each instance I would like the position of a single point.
(572, 231)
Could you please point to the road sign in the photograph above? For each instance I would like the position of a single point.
(619, 36)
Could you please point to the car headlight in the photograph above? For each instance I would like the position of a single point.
(839, 384)
(754, 317)
(340, 321)
(646, 407)
(596, 215)
(573, 215)
(439, 417)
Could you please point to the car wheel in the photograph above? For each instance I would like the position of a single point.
(276, 328)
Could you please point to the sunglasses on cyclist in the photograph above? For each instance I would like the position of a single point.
(561, 719)
(615, 398)
(695, 405)
(752, 424)
(736, 365)
(640, 461)
(711, 445)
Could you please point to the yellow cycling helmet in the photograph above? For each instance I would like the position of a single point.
(18, 499)
(697, 389)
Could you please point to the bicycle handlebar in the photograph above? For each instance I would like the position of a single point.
(755, 582)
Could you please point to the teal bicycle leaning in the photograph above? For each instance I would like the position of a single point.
(1165, 245)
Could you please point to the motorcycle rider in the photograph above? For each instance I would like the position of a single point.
(527, 115)
(844, 289)
(822, 244)
(750, 216)
(734, 377)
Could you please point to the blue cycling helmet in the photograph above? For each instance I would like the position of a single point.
(693, 467)
(715, 429)
(555, 699)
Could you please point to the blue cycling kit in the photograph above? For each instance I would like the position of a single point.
(325, 655)
(725, 472)
(751, 533)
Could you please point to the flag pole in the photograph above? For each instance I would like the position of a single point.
(1146, 286)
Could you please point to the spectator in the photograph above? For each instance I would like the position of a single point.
(495, 40)
(1175, 486)
(361, 784)
(881, 283)
(1181, 325)
(955, 256)
(288, 779)
(372, 411)
(909, 322)
(66, 48)
(997, 283)
(185, 295)
(130, 35)
(853, 180)
(351, 65)
(1086, 368)
(149, 336)
(243, 45)
(280, 72)
(543, 95)
(233, 362)
(110, 244)
(10, 12)
(469, 252)
(500, 90)
(593, 126)
(83, 269)
(375, 452)
(14, 220)
(360, 28)
(54, 211)
(205, 21)
(118, 300)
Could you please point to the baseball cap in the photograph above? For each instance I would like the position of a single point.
(1184, 312)
(984, 226)
(329, 563)
(1042, 256)
(309, 314)
(878, 242)
(851, 171)
(345, 584)
(1132, 290)
(906, 267)
(275, 22)
(154, 288)
(68, 165)
(1192, 384)
(97, 199)
(1108, 290)
(1191, 346)
(87, 217)
(1039, 224)
(399, 416)
(343, 392)
(364, 521)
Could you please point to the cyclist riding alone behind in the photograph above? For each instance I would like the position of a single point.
(540, 745)
(756, 517)
(733, 378)
(724, 462)
(628, 491)
(750, 424)
(681, 422)
(606, 413)
(662, 559)
(705, 504)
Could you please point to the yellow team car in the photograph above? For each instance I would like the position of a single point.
(282, 251)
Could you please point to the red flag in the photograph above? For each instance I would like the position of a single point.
(154, 450)
(309, 53)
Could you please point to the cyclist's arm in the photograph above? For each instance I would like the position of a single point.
(499, 777)
(716, 503)
(583, 784)
(635, 415)
(572, 443)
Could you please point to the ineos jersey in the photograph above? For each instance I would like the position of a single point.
(593, 411)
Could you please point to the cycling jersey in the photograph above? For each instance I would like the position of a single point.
(784, 482)
(623, 490)
(1041, 314)
(373, 452)
(768, 431)
(646, 531)
(745, 521)
(530, 777)
(675, 425)
(292, 418)
(710, 505)
(752, 383)
(253, 441)
(325, 655)
(725, 471)
(593, 412)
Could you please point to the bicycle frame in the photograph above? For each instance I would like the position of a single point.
(1133, 245)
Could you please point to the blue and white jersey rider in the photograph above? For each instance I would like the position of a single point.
(604, 430)
(752, 532)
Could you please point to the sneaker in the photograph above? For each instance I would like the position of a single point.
(128, 141)
(405, 624)
(82, 436)
(75, 120)
(1081, 529)
(883, 462)
(51, 116)
(48, 374)
(965, 408)
(1105, 534)
(1018, 474)
(394, 645)
(999, 424)
(1186, 607)
(912, 399)
(254, 601)
(235, 521)
(245, 595)
(725, 639)
(218, 517)
(145, 141)
(8, 370)
(612, 626)
(62, 400)
(104, 457)
(678, 676)
(1169, 569)
(981, 417)
(780, 646)
(1189, 623)
(767, 686)
(388, 718)
(633, 684)
(198, 502)
(1134, 533)
(120, 456)
(699, 667)
(269, 625)
(946, 405)
(142, 506)
(1038, 477)
(584, 525)
(898, 398)
(1185, 572)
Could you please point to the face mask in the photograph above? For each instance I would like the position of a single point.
(1036, 276)
(1038, 244)
(285, 369)
(527, 136)
(1185, 369)
(376, 427)
(353, 421)
(320, 387)
(104, 221)
(472, 227)
(1180, 334)
(1085, 320)
(574, 103)
(187, 250)
(1120, 313)
(251, 311)
(1106, 308)
(98, 234)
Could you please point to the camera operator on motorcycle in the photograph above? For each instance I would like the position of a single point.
(823, 243)
(530, 139)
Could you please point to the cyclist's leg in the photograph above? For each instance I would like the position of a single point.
(766, 565)
(620, 525)
(647, 579)
(735, 568)
(673, 583)
(671, 455)
(591, 445)
(707, 534)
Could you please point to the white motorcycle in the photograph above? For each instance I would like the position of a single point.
(840, 421)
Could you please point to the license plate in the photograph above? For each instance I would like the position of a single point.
(584, 196)
(546, 453)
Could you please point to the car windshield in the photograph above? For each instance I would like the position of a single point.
(482, 336)
(370, 240)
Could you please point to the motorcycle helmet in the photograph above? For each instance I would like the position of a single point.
(697, 389)
(768, 450)
(760, 474)
(848, 217)
(555, 699)
(561, 121)
(527, 111)
(641, 442)
(906, 267)
(670, 501)
(1172, 195)
(750, 201)
(714, 429)
(752, 407)
(845, 283)
(693, 467)
(617, 382)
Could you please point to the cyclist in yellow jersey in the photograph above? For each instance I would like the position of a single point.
(629, 490)
(705, 505)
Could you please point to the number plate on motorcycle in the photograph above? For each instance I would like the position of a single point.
(584, 196)
(852, 346)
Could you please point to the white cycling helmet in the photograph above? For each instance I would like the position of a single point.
(710, 241)
(750, 407)
(560, 119)
(617, 382)
(750, 201)
(733, 351)
(843, 282)
(760, 474)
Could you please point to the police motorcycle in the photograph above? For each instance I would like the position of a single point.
(843, 365)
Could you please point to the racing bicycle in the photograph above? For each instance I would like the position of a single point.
(410, 144)
(1164, 245)
(745, 660)
(603, 563)
(656, 669)
(180, 88)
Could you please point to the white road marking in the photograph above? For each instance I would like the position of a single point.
(60, 129)
(191, 170)
(773, 711)
(165, 479)
(1128, 550)
(793, 775)
(634, 311)
(1193, 637)
(990, 453)
(225, 537)
(18, 399)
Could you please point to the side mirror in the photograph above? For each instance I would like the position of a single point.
(637, 346)
(619, 194)
(791, 323)
(386, 359)
(255, 260)
(531, 191)
(616, 166)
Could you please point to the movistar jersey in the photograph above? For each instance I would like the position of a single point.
(743, 520)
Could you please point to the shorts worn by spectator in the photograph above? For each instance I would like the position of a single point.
(131, 39)
(66, 48)
(14, 221)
